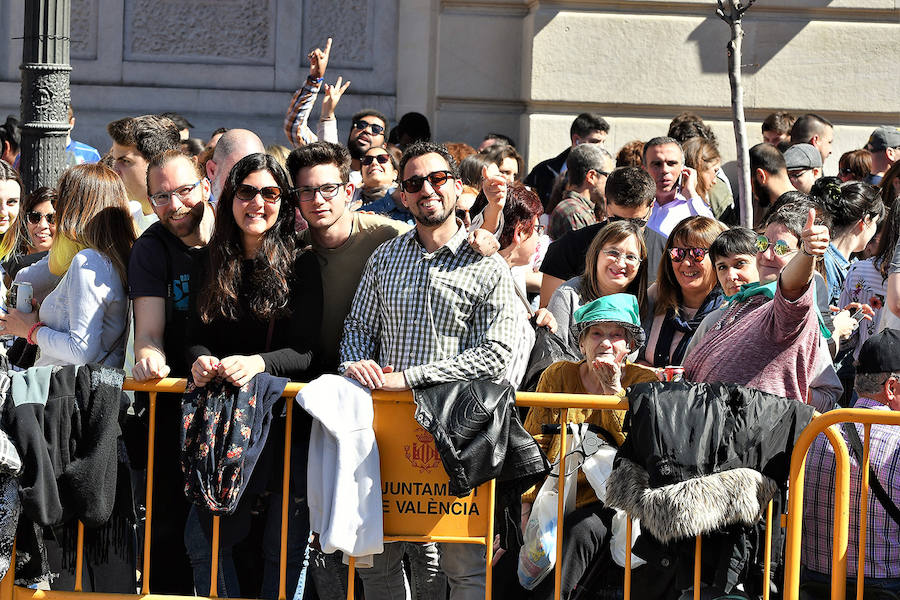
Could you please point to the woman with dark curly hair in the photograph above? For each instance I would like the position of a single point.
(260, 296)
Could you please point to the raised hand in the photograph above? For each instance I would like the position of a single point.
(333, 95)
(318, 61)
(814, 238)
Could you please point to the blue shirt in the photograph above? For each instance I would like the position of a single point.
(836, 267)
(78, 153)
(387, 207)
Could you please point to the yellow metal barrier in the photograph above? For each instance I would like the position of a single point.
(563, 402)
(826, 424)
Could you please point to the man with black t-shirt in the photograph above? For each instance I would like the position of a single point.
(159, 272)
(630, 193)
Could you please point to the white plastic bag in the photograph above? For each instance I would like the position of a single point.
(537, 556)
(619, 536)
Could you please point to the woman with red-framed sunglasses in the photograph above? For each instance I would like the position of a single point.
(686, 290)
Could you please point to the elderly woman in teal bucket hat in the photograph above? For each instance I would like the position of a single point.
(609, 330)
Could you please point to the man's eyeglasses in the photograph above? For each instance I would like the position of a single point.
(326, 190)
(797, 173)
(246, 193)
(679, 254)
(639, 222)
(616, 256)
(415, 183)
(381, 158)
(780, 247)
(34, 217)
(375, 128)
(164, 198)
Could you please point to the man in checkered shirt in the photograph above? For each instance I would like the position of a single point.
(878, 386)
(429, 309)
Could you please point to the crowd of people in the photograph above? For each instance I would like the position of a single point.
(402, 263)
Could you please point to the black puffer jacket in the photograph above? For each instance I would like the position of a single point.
(699, 456)
(703, 459)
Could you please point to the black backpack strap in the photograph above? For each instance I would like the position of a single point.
(857, 448)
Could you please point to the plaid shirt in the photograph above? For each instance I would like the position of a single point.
(882, 533)
(574, 212)
(447, 315)
(295, 121)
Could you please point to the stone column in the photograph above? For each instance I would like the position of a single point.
(45, 92)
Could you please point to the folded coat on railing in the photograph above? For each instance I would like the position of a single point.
(64, 423)
(344, 469)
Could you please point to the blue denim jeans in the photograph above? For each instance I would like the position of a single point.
(199, 547)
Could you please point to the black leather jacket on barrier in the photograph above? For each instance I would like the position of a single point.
(479, 436)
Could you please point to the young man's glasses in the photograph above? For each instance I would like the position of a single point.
(415, 183)
(164, 198)
(246, 193)
(381, 158)
(375, 128)
(326, 190)
(679, 254)
(616, 256)
(34, 217)
(780, 247)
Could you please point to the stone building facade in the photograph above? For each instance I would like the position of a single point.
(523, 67)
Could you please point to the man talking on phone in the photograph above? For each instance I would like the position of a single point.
(676, 185)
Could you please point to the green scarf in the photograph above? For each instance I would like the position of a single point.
(768, 290)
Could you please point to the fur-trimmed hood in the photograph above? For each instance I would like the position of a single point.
(689, 508)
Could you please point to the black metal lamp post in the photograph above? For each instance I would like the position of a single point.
(45, 92)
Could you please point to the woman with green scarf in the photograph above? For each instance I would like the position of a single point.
(84, 318)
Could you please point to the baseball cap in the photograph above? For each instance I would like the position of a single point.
(880, 353)
(883, 138)
(802, 156)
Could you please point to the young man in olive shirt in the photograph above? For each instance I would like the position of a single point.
(342, 239)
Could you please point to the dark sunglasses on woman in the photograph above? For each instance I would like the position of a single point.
(34, 217)
(381, 158)
(246, 193)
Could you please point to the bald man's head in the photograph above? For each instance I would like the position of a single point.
(234, 145)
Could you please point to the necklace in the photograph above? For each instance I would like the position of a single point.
(732, 315)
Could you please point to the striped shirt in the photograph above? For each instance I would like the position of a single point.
(441, 316)
(882, 533)
(295, 121)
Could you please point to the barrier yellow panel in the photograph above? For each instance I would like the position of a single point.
(414, 485)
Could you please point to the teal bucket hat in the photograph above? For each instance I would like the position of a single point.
(621, 309)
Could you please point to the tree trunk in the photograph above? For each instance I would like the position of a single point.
(731, 14)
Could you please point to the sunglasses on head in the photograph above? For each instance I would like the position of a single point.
(381, 158)
(415, 183)
(639, 222)
(363, 125)
(245, 193)
(780, 247)
(34, 217)
(679, 254)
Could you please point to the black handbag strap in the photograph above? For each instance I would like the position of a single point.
(882, 496)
